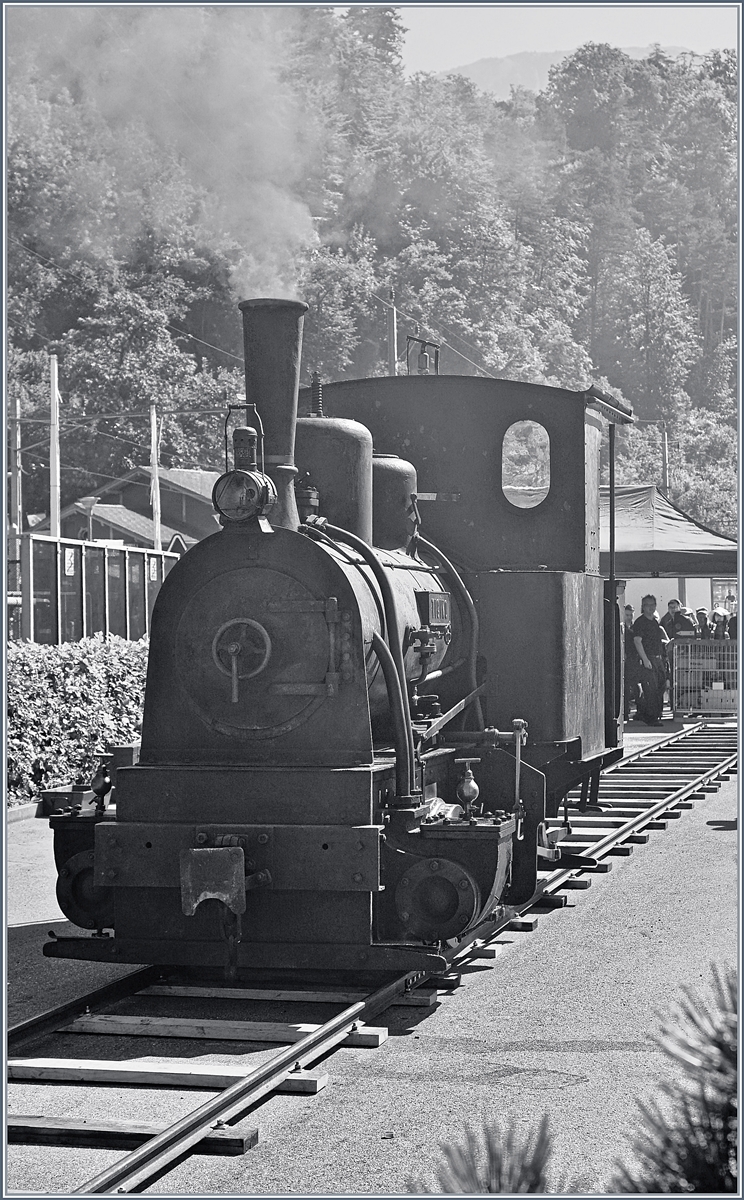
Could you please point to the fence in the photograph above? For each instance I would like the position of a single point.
(72, 589)
(705, 677)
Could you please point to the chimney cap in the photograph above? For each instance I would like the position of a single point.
(268, 303)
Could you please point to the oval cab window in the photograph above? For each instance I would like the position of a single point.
(525, 464)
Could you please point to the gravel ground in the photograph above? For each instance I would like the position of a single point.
(561, 1023)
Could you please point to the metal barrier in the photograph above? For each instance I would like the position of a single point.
(71, 589)
(704, 677)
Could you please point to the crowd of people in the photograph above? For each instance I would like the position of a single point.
(649, 640)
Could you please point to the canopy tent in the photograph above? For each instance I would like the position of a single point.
(653, 537)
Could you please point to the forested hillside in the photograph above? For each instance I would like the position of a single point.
(164, 163)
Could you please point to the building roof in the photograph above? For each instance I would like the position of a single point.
(193, 482)
(654, 537)
(199, 483)
(135, 524)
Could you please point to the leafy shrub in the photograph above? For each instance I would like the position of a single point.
(66, 705)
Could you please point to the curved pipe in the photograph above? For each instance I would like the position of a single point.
(403, 764)
(391, 621)
(466, 602)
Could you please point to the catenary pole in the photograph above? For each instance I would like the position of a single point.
(157, 542)
(14, 548)
(54, 451)
(392, 336)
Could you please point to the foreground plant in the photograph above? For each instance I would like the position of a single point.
(499, 1159)
(691, 1145)
(688, 1145)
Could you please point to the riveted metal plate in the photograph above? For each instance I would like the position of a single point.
(330, 858)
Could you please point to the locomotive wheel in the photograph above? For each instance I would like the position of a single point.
(84, 903)
(437, 898)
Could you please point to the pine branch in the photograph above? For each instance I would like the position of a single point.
(500, 1160)
(692, 1146)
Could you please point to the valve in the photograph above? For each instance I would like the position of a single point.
(425, 706)
(100, 785)
(424, 643)
(467, 789)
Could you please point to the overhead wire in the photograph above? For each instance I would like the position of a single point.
(83, 470)
(124, 413)
(168, 324)
(410, 317)
(418, 321)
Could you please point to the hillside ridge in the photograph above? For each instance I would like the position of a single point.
(529, 69)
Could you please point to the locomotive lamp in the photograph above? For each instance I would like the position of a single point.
(245, 492)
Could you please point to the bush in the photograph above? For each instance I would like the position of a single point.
(66, 705)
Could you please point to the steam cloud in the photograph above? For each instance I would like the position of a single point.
(206, 84)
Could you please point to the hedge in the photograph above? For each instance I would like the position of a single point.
(66, 705)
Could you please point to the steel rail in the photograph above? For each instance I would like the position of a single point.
(149, 1161)
(52, 1018)
(601, 848)
(552, 883)
(672, 739)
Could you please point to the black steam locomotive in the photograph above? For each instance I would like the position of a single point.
(368, 690)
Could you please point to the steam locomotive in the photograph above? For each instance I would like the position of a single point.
(368, 691)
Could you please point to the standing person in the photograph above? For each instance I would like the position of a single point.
(650, 639)
(632, 664)
(733, 625)
(676, 620)
(703, 623)
(719, 632)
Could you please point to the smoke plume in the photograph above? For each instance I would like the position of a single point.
(208, 85)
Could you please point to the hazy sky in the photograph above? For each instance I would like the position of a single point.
(452, 35)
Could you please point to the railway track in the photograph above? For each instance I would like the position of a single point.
(639, 795)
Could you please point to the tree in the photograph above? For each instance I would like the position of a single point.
(589, 90)
(338, 287)
(647, 339)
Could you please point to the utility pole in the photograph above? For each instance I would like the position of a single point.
(54, 451)
(664, 459)
(14, 547)
(664, 453)
(157, 543)
(392, 335)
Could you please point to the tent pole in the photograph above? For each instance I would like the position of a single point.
(612, 508)
(613, 585)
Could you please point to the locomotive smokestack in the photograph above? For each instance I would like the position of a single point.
(272, 339)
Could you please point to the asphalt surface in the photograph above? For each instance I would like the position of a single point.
(561, 1023)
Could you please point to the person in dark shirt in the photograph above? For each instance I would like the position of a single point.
(703, 623)
(677, 620)
(650, 640)
(632, 685)
(733, 626)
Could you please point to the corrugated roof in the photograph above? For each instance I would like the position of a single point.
(136, 524)
(200, 483)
